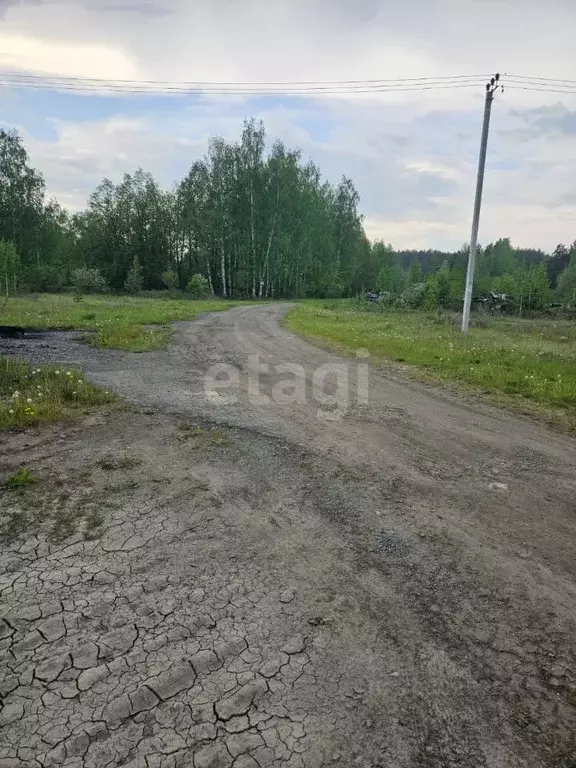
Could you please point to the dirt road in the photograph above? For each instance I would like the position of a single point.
(388, 581)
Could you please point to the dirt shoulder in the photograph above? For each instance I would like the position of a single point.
(192, 583)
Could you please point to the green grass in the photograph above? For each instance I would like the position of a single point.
(132, 323)
(529, 364)
(30, 395)
(112, 463)
(201, 437)
(19, 479)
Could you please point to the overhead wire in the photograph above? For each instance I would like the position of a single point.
(15, 79)
(244, 88)
(279, 83)
(535, 78)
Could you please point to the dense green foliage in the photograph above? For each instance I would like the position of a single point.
(251, 223)
(530, 279)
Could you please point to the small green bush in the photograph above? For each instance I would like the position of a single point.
(20, 478)
(198, 287)
(134, 280)
(170, 279)
(88, 280)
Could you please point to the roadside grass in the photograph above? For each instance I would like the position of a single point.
(30, 395)
(135, 323)
(529, 364)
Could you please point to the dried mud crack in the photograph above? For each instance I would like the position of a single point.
(198, 585)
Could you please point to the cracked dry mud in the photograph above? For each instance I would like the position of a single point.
(297, 592)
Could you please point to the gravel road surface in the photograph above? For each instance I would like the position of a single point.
(387, 580)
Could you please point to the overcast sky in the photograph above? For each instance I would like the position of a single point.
(412, 156)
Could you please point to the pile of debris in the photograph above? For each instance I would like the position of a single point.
(495, 302)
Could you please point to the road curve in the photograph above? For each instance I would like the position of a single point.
(428, 545)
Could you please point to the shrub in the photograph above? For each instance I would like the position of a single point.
(170, 279)
(88, 280)
(134, 281)
(413, 296)
(198, 287)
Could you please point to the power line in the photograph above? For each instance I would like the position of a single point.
(15, 79)
(246, 84)
(222, 92)
(87, 86)
(535, 78)
(516, 87)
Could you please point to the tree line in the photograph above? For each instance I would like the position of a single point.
(530, 279)
(244, 222)
(252, 223)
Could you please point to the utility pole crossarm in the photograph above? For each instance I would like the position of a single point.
(491, 89)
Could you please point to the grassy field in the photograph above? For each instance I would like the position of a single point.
(118, 322)
(31, 395)
(527, 364)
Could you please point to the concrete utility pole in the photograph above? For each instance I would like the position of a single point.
(491, 89)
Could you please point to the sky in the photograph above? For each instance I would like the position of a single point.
(412, 155)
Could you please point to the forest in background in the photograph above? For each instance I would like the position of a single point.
(244, 222)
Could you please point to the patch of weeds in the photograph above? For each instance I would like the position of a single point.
(29, 396)
(128, 485)
(200, 437)
(18, 523)
(65, 524)
(54, 517)
(192, 435)
(20, 479)
(191, 431)
(111, 463)
(94, 522)
(219, 437)
(14, 527)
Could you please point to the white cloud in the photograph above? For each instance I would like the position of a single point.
(436, 169)
(413, 233)
(76, 59)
